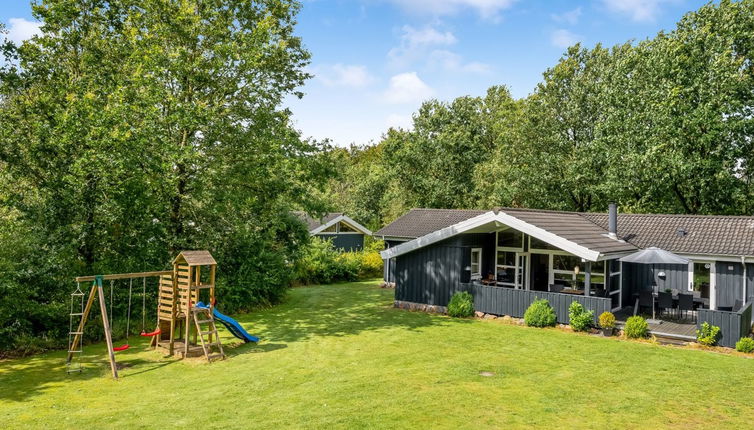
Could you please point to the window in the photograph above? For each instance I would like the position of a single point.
(564, 269)
(539, 244)
(332, 229)
(476, 263)
(345, 228)
(510, 239)
(506, 268)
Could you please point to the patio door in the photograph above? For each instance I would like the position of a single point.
(703, 280)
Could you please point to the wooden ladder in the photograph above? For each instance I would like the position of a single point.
(210, 331)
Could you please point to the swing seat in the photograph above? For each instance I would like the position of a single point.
(122, 347)
(151, 333)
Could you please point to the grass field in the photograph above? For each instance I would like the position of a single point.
(340, 357)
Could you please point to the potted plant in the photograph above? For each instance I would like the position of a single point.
(607, 323)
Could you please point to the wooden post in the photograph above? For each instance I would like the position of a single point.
(173, 316)
(197, 281)
(212, 295)
(78, 338)
(587, 278)
(188, 315)
(106, 325)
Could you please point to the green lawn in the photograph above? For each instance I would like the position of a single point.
(340, 357)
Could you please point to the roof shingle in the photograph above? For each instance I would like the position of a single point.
(704, 234)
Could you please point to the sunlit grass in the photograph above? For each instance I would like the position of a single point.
(340, 356)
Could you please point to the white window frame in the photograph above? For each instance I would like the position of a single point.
(478, 274)
(712, 280)
(515, 267)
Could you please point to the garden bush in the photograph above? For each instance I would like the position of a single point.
(581, 319)
(607, 320)
(745, 344)
(461, 305)
(321, 263)
(708, 335)
(636, 327)
(540, 314)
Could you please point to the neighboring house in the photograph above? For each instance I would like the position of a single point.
(345, 233)
(432, 253)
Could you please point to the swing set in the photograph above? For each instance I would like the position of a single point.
(178, 304)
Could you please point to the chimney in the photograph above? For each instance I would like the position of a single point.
(612, 221)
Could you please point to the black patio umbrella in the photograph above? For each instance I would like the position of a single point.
(652, 256)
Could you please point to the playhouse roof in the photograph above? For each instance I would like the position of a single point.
(196, 258)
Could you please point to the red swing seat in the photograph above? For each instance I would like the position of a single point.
(151, 333)
(122, 347)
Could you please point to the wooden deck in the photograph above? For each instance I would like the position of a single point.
(678, 329)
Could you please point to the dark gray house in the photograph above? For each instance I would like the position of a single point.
(345, 233)
(512, 253)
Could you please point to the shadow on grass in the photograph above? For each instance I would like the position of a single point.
(335, 310)
(28, 377)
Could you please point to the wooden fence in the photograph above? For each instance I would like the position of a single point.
(733, 325)
(512, 302)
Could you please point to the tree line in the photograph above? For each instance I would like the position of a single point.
(663, 125)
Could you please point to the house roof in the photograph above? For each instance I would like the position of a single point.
(196, 258)
(319, 225)
(710, 235)
(314, 223)
(704, 234)
(418, 222)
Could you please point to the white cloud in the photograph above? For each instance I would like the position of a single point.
(407, 88)
(20, 29)
(415, 42)
(487, 9)
(563, 38)
(638, 10)
(453, 62)
(395, 120)
(570, 17)
(344, 75)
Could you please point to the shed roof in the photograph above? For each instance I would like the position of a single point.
(314, 223)
(196, 258)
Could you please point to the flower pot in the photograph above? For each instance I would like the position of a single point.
(607, 331)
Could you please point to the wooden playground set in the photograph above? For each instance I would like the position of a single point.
(185, 325)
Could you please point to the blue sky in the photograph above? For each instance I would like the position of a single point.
(374, 61)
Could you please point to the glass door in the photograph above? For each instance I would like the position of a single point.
(522, 259)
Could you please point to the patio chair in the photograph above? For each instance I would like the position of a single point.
(738, 305)
(645, 300)
(685, 303)
(725, 308)
(664, 301)
(556, 288)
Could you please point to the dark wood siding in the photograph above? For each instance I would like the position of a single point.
(750, 282)
(433, 273)
(638, 277)
(733, 325)
(345, 242)
(512, 302)
(728, 283)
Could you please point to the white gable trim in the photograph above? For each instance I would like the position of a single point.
(338, 219)
(486, 218)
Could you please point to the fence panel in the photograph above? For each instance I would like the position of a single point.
(512, 302)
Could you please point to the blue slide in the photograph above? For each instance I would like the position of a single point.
(232, 325)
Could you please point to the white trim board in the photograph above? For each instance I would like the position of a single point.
(338, 219)
(489, 218)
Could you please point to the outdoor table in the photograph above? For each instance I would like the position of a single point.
(573, 291)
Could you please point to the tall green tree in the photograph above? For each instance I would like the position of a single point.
(132, 129)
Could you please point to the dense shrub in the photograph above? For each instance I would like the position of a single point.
(540, 314)
(461, 305)
(708, 335)
(636, 327)
(321, 263)
(581, 319)
(745, 344)
(607, 320)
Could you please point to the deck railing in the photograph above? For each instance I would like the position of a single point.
(733, 325)
(513, 302)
